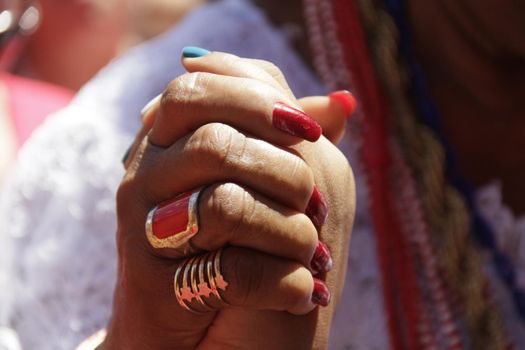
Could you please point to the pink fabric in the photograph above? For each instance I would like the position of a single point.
(31, 101)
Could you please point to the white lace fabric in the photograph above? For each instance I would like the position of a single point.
(509, 229)
(61, 235)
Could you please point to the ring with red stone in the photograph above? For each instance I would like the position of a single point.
(173, 223)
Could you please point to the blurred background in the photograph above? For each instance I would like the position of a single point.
(50, 48)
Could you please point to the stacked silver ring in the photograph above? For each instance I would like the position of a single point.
(199, 278)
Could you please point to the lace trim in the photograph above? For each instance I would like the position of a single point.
(509, 230)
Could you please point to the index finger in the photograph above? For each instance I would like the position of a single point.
(254, 107)
(223, 63)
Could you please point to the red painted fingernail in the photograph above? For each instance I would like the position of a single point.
(317, 209)
(171, 218)
(321, 295)
(346, 99)
(295, 122)
(322, 260)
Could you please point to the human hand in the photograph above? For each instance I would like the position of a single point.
(255, 202)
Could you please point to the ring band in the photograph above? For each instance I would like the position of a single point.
(190, 281)
(198, 291)
(173, 223)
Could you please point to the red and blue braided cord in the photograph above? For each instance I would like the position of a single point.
(430, 114)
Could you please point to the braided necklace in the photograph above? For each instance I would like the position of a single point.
(482, 230)
(331, 58)
(421, 296)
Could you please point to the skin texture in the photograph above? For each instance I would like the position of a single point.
(254, 184)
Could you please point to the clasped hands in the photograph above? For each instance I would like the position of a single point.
(277, 197)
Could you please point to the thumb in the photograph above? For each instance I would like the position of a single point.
(331, 112)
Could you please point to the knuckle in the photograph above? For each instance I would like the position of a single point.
(229, 205)
(125, 192)
(272, 69)
(215, 147)
(231, 60)
(184, 92)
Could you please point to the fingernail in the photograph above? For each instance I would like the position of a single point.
(295, 122)
(346, 99)
(317, 209)
(150, 104)
(321, 295)
(172, 218)
(322, 260)
(126, 155)
(194, 52)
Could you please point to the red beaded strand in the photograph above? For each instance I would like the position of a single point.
(401, 292)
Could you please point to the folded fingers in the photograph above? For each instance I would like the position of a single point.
(217, 153)
(223, 63)
(237, 277)
(249, 105)
(228, 214)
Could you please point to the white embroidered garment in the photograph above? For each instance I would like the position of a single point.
(509, 230)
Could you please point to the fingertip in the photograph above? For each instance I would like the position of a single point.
(321, 294)
(346, 100)
(328, 113)
(295, 122)
(304, 310)
(194, 52)
(305, 303)
(322, 260)
(317, 208)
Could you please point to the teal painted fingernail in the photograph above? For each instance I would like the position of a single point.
(194, 52)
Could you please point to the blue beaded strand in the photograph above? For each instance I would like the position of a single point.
(481, 229)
